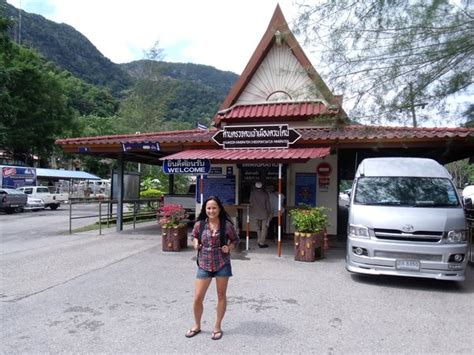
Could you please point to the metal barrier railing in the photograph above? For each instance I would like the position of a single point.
(110, 215)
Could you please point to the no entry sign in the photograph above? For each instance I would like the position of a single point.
(324, 169)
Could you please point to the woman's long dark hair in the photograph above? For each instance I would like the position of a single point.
(223, 215)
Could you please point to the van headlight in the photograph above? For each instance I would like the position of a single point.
(358, 231)
(457, 236)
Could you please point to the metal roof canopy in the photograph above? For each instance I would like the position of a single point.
(65, 174)
(254, 155)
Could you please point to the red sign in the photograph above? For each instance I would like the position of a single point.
(8, 172)
(324, 169)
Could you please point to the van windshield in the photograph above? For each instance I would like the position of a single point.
(405, 191)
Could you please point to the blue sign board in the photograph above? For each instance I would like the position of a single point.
(305, 189)
(221, 186)
(187, 166)
(14, 177)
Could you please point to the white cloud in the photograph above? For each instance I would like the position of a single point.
(222, 34)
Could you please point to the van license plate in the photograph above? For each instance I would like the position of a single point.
(407, 265)
(13, 205)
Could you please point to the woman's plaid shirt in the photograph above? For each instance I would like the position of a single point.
(211, 258)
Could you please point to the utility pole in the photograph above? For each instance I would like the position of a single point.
(139, 165)
(412, 104)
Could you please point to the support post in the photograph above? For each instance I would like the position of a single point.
(171, 184)
(70, 217)
(201, 190)
(120, 194)
(247, 235)
(100, 217)
(279, 209)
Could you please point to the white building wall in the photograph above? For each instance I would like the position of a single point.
(327, 199)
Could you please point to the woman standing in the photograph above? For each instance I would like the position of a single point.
(214, 237)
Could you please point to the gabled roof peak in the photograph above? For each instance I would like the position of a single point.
(278, 35)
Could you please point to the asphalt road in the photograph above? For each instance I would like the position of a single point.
(119, 293)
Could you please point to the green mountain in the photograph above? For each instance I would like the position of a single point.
(68, 48)
(187, 92)
(199, 74)
(152, 94)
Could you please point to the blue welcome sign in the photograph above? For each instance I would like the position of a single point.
(187, 166)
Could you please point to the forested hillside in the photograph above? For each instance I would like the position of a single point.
(63, 45)
(206, 75)
(174, 95)
(56, 84)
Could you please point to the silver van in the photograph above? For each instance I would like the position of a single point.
(406, 219)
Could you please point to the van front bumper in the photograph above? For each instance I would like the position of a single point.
(392, 258)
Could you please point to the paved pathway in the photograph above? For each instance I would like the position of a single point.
(119, 293)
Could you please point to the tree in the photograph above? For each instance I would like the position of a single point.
(462, 172)
(40, 103)
(36, 108)
(393, 57)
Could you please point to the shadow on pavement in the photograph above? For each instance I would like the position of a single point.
(420, 284)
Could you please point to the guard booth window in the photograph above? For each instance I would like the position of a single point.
(267, 173)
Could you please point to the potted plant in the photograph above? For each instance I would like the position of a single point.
(172, 219)
(310, 224)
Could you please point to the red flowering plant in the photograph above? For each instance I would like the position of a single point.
(171, 215)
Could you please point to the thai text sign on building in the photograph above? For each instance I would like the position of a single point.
(187, 166)
(265, 136)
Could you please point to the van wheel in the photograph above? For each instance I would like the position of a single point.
(9, 210)
(54, 207)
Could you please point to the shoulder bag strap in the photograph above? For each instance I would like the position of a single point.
(202, 226)
(223, 234)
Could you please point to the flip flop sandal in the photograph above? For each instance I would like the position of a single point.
(190, 333)
(216, 335)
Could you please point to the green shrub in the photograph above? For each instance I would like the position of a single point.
(309, 219)
(151, 193)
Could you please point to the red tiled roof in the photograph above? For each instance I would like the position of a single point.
(285, 110)
(322, 134)
(251, 154)
(354, 133)
(195, 135)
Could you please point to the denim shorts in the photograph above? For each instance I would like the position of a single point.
(225, 271)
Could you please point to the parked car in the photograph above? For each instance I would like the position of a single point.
(12, 200)
(406, 219)
(50, 200)
(34, 204)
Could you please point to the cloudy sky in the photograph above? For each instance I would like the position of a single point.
(220, 33)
